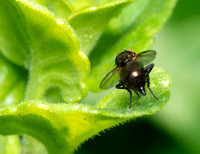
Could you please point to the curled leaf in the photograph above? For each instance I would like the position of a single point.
(57, 63)
(58, 68)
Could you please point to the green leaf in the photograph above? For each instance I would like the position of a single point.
(89, 23)
(139, 26)
(12, 89)
(58, 69)
(57, 66)
(12, 83)
(63, 127)
(13, 38)
(80, 4)
(61, 8)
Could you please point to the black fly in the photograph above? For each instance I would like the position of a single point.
(131, 72)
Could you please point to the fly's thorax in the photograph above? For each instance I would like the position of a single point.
(124, 57)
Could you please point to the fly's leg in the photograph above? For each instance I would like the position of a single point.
(122, 86)
(147, 70)
(137, 94)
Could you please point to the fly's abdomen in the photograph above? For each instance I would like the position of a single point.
(135, 79)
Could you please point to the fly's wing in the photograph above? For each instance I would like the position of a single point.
(146, 56)
(111, 79)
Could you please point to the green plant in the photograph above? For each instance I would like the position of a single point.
(54, 52)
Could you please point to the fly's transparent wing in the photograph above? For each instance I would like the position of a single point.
(146, 56)
(111, 79)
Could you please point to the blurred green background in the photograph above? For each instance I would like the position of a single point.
(176, 128)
